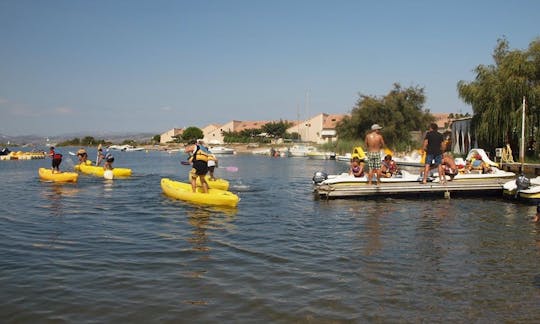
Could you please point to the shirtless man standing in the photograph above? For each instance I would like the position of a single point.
(374, 144)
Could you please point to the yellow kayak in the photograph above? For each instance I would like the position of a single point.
(99, 171)
(220, 184)
(183, 191)
(47, 174)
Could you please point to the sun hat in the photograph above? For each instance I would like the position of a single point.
(375, 127)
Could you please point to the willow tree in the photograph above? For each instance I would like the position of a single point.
(399, 112)
(497, 92)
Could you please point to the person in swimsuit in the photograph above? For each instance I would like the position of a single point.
(388, 166)
(374, 143)
(357, 167)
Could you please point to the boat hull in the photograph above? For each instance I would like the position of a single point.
(220, 184)
(183, 191)
(48, 175)
(100, 172)
(530, 194)
(346, 179)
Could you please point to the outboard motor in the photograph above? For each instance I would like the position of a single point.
(5, 151)
(522, 182)
(319, 177)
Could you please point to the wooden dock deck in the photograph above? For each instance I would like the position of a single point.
(477, 187)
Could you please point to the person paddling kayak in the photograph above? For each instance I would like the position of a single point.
(199, 161)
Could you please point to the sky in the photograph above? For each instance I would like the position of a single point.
(92, 66)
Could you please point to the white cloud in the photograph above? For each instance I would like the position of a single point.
(63, 111)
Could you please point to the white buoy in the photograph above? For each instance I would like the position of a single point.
(108, 174)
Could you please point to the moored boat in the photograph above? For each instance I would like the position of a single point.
(344, 179)
(494, 174)
(523, 188)
(301, 150)
(221, 150)
(99, 171)
(48, 175)
(183, 191)
(317, 155)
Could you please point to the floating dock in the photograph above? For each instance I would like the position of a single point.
(476, 187)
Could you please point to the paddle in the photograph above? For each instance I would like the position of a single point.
(71, 153)
(228, 168)
(97, 154)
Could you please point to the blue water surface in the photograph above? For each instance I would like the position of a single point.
(121, 251)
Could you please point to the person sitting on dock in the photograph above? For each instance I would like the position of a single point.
(477, 164)
(357, 167)
(449, 165)
(388, 166)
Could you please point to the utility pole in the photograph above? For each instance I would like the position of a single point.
(522, 144)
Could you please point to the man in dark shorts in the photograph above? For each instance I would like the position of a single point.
(433, 142)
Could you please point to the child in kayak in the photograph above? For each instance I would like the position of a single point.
(109, 159)
(56, 160)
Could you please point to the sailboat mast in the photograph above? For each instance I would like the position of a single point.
(522, 144)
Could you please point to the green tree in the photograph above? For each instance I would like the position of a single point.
(274, 129)
(192, 133)
(399, 112)
(88, 140)
(496, 95)
(156, 139)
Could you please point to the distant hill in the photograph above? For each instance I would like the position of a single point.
(35, 140)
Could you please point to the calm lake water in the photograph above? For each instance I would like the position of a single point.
(121, 251)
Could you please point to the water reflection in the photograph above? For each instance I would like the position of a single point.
(55, 194)
(205, 219)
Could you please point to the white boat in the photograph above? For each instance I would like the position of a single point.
(494, 173)
(528, 191)
(316, 155)
(413, 159)
(320, 178)
(301, 150)
(261, 152)
(125, 148)
(221, 150)
(345, 158)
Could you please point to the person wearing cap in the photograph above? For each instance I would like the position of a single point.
(374, 143)
(109, 159)
(433, 146)
(199, 160)
(82, 155)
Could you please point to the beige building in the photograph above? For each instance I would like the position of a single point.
(318, 129)
(213, 134)
(168, 135)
